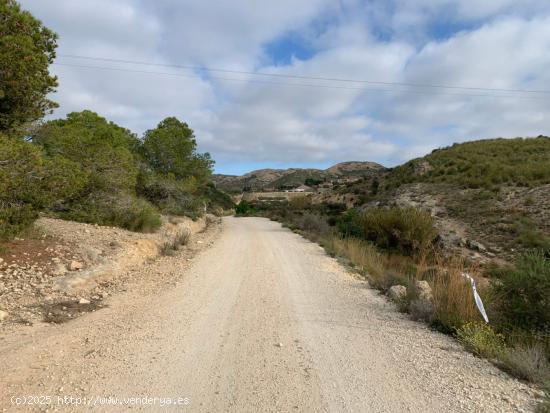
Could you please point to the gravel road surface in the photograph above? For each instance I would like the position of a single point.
(261, 321)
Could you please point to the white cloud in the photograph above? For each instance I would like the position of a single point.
(497, 44)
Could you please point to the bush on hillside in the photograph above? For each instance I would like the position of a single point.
(529, 236)
(121, 210)
(29, 182)
(244, 208)
(407, 230)
(314, 224)
(170, 195)
(349, 225)
(524, 294)
(217, 200)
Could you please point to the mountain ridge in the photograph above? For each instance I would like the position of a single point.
(268, 178)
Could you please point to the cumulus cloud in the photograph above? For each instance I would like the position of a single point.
(283, 121)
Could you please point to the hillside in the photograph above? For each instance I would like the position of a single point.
(265, 179)
(495, 191)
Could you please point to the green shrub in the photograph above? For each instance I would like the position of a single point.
(244, 208)
(407, 230)
(172, 196)
(528, 235)
(313, 223)
(29, 182)
(122, 210)
(14, 218)
(524, 294)
(217, 199)
(481, 340)
(349, 224)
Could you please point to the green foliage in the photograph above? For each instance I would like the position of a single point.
(102, 149)
(481, 339)
(529, 236)
(313, 182)
(525, 294)
(30, 182)
(349, 224)
(121, 210)
(481, 164)
(170, 149)
(14, 218)
(244, 208)
(170, 195)
(26, 50)
(407, 230)
(217, 200)
(104, 153)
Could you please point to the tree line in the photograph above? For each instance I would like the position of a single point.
(84, 167)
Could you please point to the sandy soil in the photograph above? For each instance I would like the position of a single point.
(262, 321)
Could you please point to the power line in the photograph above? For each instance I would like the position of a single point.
(195, 76)
(328, 79)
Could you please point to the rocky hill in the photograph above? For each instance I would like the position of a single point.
(276, 179)
(494, 191)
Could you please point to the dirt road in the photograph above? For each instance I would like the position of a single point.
(262, 321)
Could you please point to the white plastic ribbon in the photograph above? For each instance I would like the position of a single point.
(477, 298)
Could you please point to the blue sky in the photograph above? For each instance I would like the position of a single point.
(247, 121)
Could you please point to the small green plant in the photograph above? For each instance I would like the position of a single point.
(481, 340)
(182, 237)
(170, 246)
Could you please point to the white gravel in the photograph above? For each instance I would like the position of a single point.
(262, 321)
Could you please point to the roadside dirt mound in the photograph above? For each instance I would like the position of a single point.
(63, 268)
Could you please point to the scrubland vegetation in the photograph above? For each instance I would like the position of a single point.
(84, 167)
(485, 164)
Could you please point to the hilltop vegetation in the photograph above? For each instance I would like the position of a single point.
(84, 167)
(487, 164)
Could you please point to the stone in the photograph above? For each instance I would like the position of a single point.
(75, 265)
(423, 290)
(3, 315)
(83, 301)
(59, 270)
(397, 292)
(477, 246)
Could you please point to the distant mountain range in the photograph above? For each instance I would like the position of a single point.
(263, 179)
